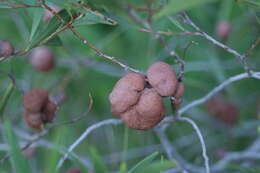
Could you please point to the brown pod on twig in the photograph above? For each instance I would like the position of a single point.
(147, 113)
(6, 49)
(48, 14)
(162, 77)
(126, 92)
(42, 59)
(38, 109)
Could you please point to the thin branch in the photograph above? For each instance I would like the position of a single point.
(77, 119)
(85, 135)
(84, 41)
(252, 48)
(168, 33)
(240, 57)
(217, 89)
(169, 149)
(171, 52)
(203, 145)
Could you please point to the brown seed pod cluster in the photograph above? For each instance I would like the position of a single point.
(42, 59)
(6, 49)
(223, 110)
(48, 14)
(138, 102)
(38, 108)
(74, 170)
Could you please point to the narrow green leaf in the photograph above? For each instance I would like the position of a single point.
(99, 165)
(158, 166)
(146, 161)
(91, 16)
(5, 98)
(55, 23)
(19, 163)
(176, 6)
(37, 16)
(56, 41)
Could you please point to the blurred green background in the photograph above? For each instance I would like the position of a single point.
(80, 72)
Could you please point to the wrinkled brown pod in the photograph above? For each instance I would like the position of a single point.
(162, 77)
(6, 49)
(38, 109)
(42, 59)
(126, 92)
(147, 113)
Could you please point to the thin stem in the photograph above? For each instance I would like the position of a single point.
(202, 142)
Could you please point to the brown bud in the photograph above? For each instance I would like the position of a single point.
(48, 14)
(162, 77)
(6, 49)
(74, 170)
(42, 59)
(223, 30)
(126, 92)
(147, 113)
(35, 100)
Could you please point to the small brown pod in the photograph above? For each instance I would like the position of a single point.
(6, 49)
(147, 113)
(126, 92)
(162, 77)
(35, 100)
(42, 59)
(48, 14)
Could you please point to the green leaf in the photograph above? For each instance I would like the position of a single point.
(176, 6)
(5, 98)
(19, 163)
(91, 16)
(53, 26)
(158, 166)
(37, 15)
(146, 161)
(99, 165)
(56, 41)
